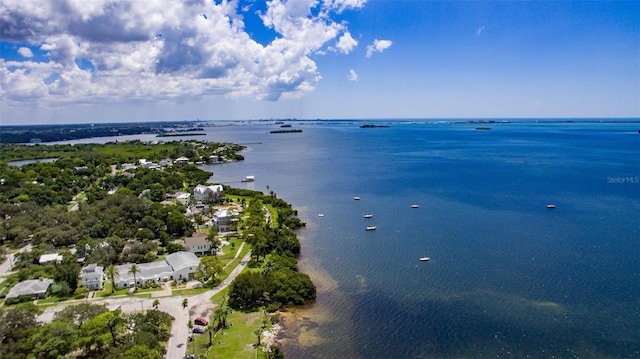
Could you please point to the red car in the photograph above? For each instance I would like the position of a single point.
(201, 321)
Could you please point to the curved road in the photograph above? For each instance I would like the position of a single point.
(199, 305)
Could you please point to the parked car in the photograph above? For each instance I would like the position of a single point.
(198, 330)
(201, 321)
(191, 356)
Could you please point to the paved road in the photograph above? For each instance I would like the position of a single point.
(5, 267)
(198, 306)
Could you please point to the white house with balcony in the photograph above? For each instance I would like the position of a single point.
(208, 194)
(225, 219)
(92, 276)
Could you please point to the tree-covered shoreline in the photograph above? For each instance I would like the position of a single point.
(105, 204)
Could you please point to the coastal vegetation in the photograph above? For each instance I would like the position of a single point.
(101, 203)
(86, 330)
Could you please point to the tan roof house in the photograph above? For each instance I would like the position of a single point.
(198, 244)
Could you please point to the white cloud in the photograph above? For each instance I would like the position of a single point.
(353, 76)
(378, 46)
(480, 30)
(341, 5)
(165, 50)
(346, 43)
(25, 52)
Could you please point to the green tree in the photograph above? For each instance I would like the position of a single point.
(53, 340)
(209, 267)
(102, 332)
(133, 269)
(111, 273)
(80, 313)
(185, 303)
(141, 352)
(67, 271)
(16, 326)
(156, 303)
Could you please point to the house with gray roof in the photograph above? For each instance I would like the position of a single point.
(176, 266)
(184, 264)
(34, 288)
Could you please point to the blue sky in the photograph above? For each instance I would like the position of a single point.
(108, 61)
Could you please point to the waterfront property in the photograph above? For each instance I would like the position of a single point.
(208, 194)
(92, 276)
(176, 266)
(225, 219)
(33, 288)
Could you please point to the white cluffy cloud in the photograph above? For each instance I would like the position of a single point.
(164, 50)
(353, 76)
(25, 52)
(346, 43)
(378, 46)
(480, 30)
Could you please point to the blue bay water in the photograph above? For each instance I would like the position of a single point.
(507, 276)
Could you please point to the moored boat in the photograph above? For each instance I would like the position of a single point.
(320, 214)
(414, 206)
(424, 259)
(371, 228)
(551, 206)
(356, 198)
(368, 215)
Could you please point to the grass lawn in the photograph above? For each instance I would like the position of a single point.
(235, 342)
(106, 291)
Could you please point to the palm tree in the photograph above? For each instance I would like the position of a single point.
(134, 270)
(112, 272)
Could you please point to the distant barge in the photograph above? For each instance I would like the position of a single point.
(179, 134)
(285, 131)
(373, 126)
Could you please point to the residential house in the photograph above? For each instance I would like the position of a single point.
(92, 276)
(176, 266)
(34, 288)
(198, 244)
(50, 258)
(225, 219)
(183, 198)
(208, 194)
(184, 265)
(166, 162)
(181, 161)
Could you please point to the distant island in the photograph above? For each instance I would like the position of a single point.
(56, 133)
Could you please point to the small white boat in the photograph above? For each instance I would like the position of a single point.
(356, 198)
(424, 259)
(320, 214)
(414, 206)
(368, 215)
(371, 228)
(551, 206)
